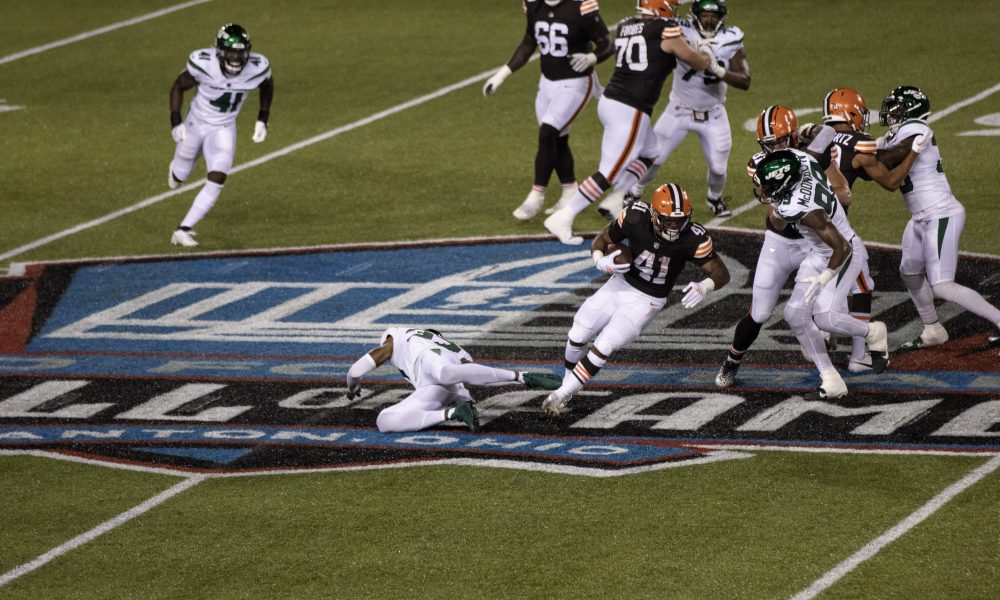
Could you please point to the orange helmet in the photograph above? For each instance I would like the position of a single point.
(671, 211)
(656, 8)
(777, 125)
(845, 105)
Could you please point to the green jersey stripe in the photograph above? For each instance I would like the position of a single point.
(192, 63)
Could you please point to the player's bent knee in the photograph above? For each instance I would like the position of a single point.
(390, 421)
(216, 177)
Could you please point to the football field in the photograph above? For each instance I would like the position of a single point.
(174, 423)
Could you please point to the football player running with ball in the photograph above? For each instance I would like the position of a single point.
(571, 38)
(930, 240)
(794, 189)
(662, 239)
(438, 369)
(225, 76)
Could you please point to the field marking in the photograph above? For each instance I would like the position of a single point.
(891, 535)
(100, 529)
(98, 31)
(934, 117)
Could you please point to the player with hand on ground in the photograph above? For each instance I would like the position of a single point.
(439, 370)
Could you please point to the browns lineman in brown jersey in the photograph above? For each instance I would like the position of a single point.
(571, 38)
(662, 239)
(648, 47)
(854, 152)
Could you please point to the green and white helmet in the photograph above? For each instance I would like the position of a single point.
(232, 47)
(700, 7)
(776, 177)
(904, 103)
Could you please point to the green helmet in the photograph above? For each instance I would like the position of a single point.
(700, 7)
(902, 104)
(232, 47)
(776, 177)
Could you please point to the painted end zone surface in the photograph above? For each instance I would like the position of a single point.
(166, 361)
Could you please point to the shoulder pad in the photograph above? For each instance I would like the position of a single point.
(203, 55)
(588, 6)
(671, 29)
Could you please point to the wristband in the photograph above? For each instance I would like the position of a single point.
(175, 118)
(363, 365)
(708, 283)
(263, 115)
(597, 256)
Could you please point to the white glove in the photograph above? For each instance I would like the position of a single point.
(581, 62)
(880, 143)
(496, 81)
(353, 388)
(805, 132)
(716, 69)
(259, 132)
(696, 292)
(816, 285)
(922, 142)
(179, 133)
(607, 264)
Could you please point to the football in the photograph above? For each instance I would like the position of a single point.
(622, 259)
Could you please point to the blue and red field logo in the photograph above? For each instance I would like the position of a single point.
(235, 363)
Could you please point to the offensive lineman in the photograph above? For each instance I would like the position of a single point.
(930, 240)
(854, 153)
(662, 239)
(438, 369)
(571, 38)
(648, 47)
(224, 76)
(698, 104)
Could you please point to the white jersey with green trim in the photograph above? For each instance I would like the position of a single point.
(408, 345)
(700, 90)
(219, 98)
(814, 192)
(925, 189)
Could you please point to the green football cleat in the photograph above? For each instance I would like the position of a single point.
(541, 381)
(466, 413)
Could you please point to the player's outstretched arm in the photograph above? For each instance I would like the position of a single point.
(367, 363)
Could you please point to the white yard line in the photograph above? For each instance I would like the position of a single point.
(934, 117)
(263, 159)
(99, 530)
(99, 31)
(922, 513)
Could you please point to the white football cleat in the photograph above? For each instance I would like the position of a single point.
(832, 386)
(878, 342)
(860, 366)
(555, 403)
(612, 204)
(531, 205)
(172, 182)
(568, 192)
(560, 224)
(183, 238)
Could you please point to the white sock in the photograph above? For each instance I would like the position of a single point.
(203, 203)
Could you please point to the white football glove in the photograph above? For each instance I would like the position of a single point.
(696, 292)
(607, 264)
(259, 131)
(922, 142)
(353, 388)
(816, 285)
(880, 143)
(716, 69)
(496, 81)
(179, 133)
(581, 62)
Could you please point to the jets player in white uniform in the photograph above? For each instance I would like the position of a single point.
(794, 189)
(698, 104)
(225, 76)
(439, 369)
(930, 241)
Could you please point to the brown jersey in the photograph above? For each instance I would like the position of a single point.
(656, 263)
(849, 144)
(572, 26)
(641, 66)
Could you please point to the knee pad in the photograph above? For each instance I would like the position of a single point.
(797, 316)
